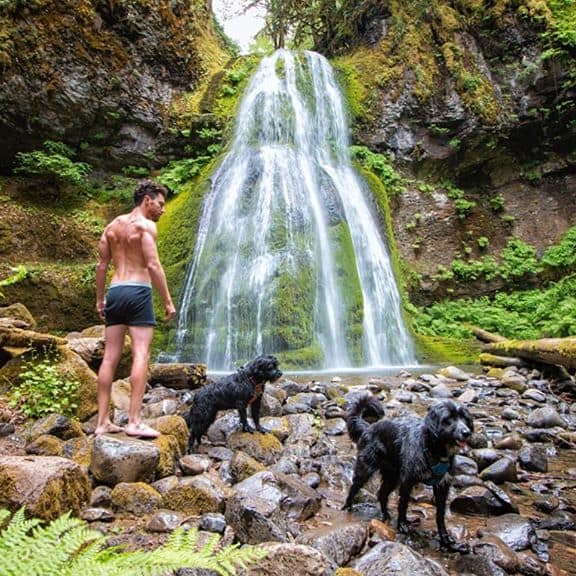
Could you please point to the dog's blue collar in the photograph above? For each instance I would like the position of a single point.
(438, 472)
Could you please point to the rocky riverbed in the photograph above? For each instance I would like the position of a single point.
(513, 499)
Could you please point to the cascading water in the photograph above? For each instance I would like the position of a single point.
(289, 257)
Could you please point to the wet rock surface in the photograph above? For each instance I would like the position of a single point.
(512, 499)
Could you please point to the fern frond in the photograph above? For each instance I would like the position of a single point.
(68, 547)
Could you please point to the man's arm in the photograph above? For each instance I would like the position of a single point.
(152, 262)
(101, 270)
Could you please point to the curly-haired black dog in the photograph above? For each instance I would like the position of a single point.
(239, 390)
(407, 451)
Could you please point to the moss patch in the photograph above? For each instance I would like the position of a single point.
(434, 349)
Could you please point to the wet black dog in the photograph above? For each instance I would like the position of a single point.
(407, 451)
(239, 390)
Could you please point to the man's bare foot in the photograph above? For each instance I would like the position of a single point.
(141, 431)
(108, 429)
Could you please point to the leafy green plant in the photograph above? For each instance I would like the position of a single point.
(178, 172)
(68, 547)
(54, 165)
(562, 255)
(497, 203)
(381, 166)
(482, 242)
(42, 390)
(463, 207)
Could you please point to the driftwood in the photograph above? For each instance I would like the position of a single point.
(178, 375)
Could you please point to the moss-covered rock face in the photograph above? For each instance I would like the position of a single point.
(49, 486)
(72, 65)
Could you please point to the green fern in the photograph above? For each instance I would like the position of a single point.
(68, 547)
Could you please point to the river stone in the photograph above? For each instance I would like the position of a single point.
(308, 399)
(487, 500)
(212, 522)
(192, 464)
(441, 391)
(513, 380)
(255, 519)
(56, 425)
(101, 497)
(475, 565)
(393, 558)
(484, 457)
(545, 417)
(514, 530)
(97, 515)
(503, 470)
(334, 427)
(135, 498)
(243, 466)
(123, 459)
(464, 465)
(264, 448)
(46, 445)
(48, 486)
(289, 560)
(270, 406)
(194, 494)
(510, 414)
(303, 428)
(496, 550)
(293, 497)
(535, 395)
(279, 426)
(165, 521)
(533, 458)
(339, 542)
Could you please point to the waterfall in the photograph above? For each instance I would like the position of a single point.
(289, 258)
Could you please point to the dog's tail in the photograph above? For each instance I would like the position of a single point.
(361, 414)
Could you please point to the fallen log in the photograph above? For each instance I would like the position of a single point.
(178, 375)
(557, 351)
(487, 359)
(13, 337)
(485, 336)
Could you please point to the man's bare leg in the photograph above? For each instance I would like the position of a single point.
(141, 343)
(114, 345)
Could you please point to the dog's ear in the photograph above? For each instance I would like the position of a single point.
(434, 417)
(467, 417)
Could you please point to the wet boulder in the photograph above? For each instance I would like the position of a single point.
(545, 417)
(503, 470)
(135, 498)
(264, 448)
(393, 558)
(533, 458)
(123, 459)
(514, 530)
(486, 500)
(47, 486)
(340, 542)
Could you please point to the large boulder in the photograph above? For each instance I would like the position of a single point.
(48, 486)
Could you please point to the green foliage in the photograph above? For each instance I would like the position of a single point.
(522, 314)
(562, 255)
(42, 390)
(178, 172)
(53, 165)
(482, 242)
(68, 547)
(497, 203)
(19, 273)
(381, 166)
(135, 171)
(463, 207)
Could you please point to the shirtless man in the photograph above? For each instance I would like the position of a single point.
(129, 243)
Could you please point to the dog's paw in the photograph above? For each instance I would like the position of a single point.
(248, 428)
(403, 527)
(262, 430)
(448, 543)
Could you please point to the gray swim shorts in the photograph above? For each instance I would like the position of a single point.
(129, 303)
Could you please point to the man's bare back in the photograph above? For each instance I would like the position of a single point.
(128, 243)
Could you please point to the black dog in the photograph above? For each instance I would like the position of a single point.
(239, 390)
(407, 451)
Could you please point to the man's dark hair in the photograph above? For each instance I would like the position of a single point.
(148, 188)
